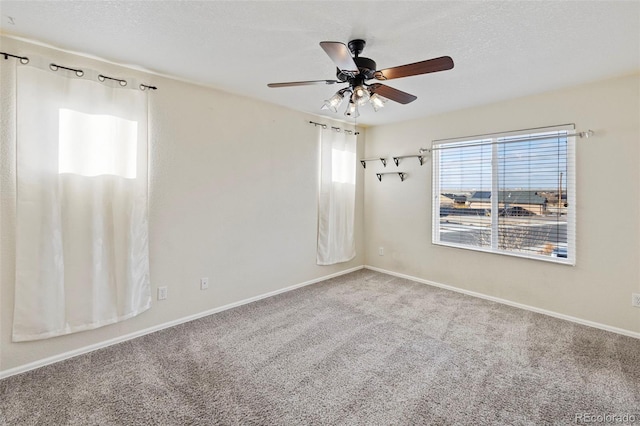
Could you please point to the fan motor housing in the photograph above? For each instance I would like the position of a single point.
(366, 66)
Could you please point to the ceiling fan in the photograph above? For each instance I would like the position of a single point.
(356, 70)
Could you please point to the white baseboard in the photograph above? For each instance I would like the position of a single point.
(510, 303)
(119, 339)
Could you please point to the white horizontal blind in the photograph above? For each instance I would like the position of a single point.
(464, 169)
(507, 193)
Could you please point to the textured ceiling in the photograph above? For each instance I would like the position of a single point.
(501, 49)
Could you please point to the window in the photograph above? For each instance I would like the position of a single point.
(97, 144)
(336, 197)
(511, 193)
(343, 166)
(82, 250)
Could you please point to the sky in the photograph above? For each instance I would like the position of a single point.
(524, 165)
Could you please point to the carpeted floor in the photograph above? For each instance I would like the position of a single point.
(364, 348)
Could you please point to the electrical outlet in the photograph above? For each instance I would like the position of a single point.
(204, 283)
(381, 251)
(162, 293)
(635, 299)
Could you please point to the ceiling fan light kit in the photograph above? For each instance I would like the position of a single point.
(334, 102)
(352, 110)
(356, 71)
(360, 95)
(377, 101)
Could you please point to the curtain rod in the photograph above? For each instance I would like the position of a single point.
(56, 67)
(486, 135)
(120, 81)
(23, 59)
(78, 72)
(585, 135)
(337, 129)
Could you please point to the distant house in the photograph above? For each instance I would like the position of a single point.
(453, 200)
(552, 197)
(511, 202)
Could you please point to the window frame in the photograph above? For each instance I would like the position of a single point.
(493, 141)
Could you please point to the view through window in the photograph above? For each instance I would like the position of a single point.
(510, 194)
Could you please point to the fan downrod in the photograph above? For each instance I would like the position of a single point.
(356, 46)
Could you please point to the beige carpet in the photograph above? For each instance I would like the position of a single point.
(364, 348)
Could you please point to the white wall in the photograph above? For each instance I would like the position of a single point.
(599, 287)
(233, 197)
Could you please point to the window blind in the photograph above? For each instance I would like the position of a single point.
(507, 193)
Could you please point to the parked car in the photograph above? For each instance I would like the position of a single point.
(559, 252)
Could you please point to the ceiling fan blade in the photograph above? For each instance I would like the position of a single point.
(303, 83)
(341, 56)
(442, 63)
(391, 93)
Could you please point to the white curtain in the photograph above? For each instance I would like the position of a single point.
(82, 235)
(336, 206)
